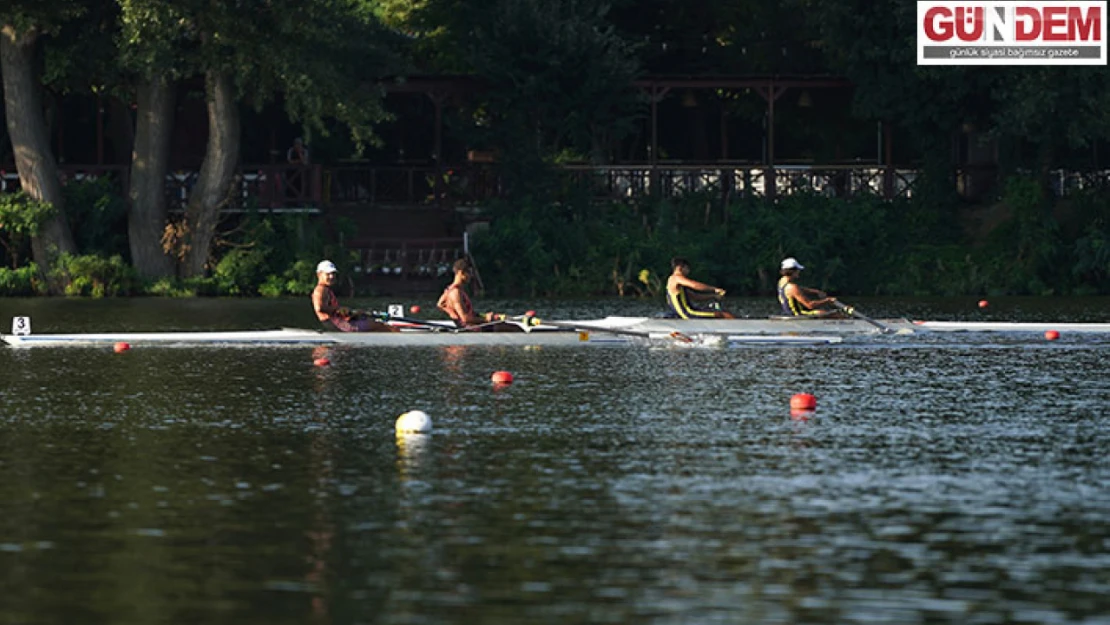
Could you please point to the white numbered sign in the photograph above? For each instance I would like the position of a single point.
(21, 326)
(396, 310)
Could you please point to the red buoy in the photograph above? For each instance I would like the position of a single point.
(1051, 335)
(803, 401)
(529, 313)
(414, 309)
(502, 377)
(983, 303)
(121, 347)
(321, 362)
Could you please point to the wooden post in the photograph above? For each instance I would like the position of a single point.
(727, 182)
(770, 93)
(724, 131)
(888, 161)
(99, 130)
(437, 185)
(657, 94)
(769, 175)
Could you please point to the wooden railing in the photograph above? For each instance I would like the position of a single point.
(409, 185)
(626, 182)
(277, 188)
(407, 259)
(306, 189)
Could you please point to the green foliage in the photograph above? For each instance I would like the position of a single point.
(1048, 109)
(319, 57)
(95, 276)
(860, 245)
(1091, 250)
(557, 78)
(730, 37)
(269, 255)
(20, 219)
(21, 281)
(98, 216)
(45, 15)
(169, 287)
(299, 279)
(1021, 256)
(240, 270)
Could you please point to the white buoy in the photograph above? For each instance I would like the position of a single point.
(414, 422)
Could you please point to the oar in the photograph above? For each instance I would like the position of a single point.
(442, 327)
(676, 335)
(525, 322)
(496, 319)
(851, 312)
(431, 325)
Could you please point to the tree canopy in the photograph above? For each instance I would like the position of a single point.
(556, 83)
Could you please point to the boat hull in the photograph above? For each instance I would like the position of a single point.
(606, 331)
(408, 338)
(805, 325)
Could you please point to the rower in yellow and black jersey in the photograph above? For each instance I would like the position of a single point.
(800, 301)
(681, 289)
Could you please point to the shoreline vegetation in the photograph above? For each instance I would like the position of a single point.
(148, 88)
(864, 246)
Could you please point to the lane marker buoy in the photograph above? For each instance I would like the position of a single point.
(413, 422)
(803, 401)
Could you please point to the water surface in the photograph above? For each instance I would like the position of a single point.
(942, 479)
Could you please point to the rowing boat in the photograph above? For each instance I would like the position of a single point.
(818, 325)
(540, 336)
(605, 331)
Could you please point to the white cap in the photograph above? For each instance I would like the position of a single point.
(326, 266)
(791, 263)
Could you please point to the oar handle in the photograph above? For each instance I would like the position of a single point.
(851, 312)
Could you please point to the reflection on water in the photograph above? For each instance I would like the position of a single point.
(957, 479)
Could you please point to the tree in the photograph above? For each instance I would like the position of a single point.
(1054, 109)
(150, 44)
(24, 25)
(723, 37)
(1035, 113)
(555, 76)
(320, 56)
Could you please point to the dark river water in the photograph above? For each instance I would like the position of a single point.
(941, 479)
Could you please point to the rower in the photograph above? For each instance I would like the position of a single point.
(681, 289)
(331, 314)
(456, 303)
(800, 301)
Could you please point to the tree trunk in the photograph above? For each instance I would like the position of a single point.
(38, 171)
(147, 219)
(216, 173)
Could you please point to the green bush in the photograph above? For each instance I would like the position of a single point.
(299, 279)
(20, 219)
(21, 281)
(240, 271)
(170, 287)
(95, 276)
(97, 214)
